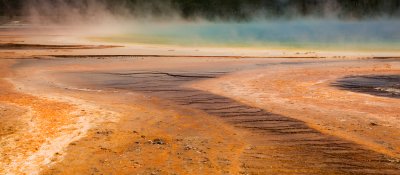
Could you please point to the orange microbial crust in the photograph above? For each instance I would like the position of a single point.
(40, 120)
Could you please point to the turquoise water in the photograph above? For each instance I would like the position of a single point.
(330, 34)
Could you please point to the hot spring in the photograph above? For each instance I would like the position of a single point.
(296, 34)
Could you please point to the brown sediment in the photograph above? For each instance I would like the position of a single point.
(18, 46)
(177, 56)
(388, 57)
(218, 56)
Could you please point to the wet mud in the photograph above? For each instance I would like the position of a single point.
(379, 85)
(17, 46)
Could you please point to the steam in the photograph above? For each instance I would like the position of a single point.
(65, 12)
(99, 11)
(97, 17)
(319, 24)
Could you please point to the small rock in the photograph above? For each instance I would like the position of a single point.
(187, 147)
(373, 124)
(106, 132)
(158, 142)
(394, 160)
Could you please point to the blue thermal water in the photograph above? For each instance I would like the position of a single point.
(330, 34)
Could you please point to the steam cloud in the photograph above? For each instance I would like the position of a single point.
(370, 23)
(66, 11)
